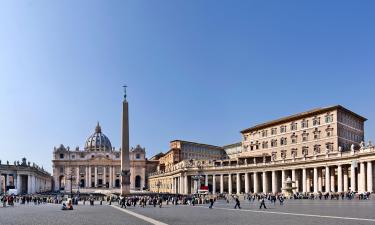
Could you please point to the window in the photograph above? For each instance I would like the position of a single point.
(316, 134)
(282, 129)
(329, 131)
(73, 156)
(283, 154)
(273, 143)
(265, 144)
(305, 136)
(82, 155)
(293, 152)
(138, 156)
(329, 118)
(273, 131)
(293, 126)
(264, 133)
(316, 121)
(305, 124)
(61, 156)
(283, 141)
(294, 138)
(245, 137)
(62, 169)
(329, 146)
(316, 149)
(305, 151)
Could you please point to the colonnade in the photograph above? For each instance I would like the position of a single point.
(357, 176)
(24, 183)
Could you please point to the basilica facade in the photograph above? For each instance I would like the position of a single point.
(97, 167)
(320, 150)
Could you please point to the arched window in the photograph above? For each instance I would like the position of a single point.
(138, 181)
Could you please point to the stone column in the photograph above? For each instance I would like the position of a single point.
(369, 177)
(304, 189)
(256, 182)
(264, 182)
(105, 176)
(205, 181)
(181, 186)
(346, 180)
(186, 183)
(90, 175)
(229, 183)
(246, 183)
(283, 178)
(213, 184)
(1, 183)
(18, 183)
(298, 183)
(339, 178)
(308, 180)
(238, 182)
(294, 179)
(332, 179)
(315, 180)
(96, 176)
(114, 177)
(33, 184)
(320, 180)
(110, 177)
(352, 178)
(221, 183)
(29, 184)
(173, 185)
(274, 185)
(86, 177)
(327, 179)
(363, 178)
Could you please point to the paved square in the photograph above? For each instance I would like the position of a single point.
(309, 212)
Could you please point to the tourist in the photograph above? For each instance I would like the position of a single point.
(237, 203)
(211, 203)
(160, 202)
(262, 203)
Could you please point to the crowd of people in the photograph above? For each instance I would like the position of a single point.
(157, 200)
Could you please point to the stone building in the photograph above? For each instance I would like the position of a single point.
(322, 150)
(97, 168)
(25, 177)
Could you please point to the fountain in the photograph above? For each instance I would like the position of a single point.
(288, 188)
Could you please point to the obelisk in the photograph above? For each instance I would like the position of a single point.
(125, 162)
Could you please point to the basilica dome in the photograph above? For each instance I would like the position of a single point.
(98, 141)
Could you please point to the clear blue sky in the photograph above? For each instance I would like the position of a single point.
(196, 70)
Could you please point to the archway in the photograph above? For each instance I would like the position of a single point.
(62, 182)
(138, 181)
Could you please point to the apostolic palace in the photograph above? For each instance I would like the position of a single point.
(321, 150)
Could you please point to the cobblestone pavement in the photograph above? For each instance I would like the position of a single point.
(298, 212)
(293, 212)
(51, 214)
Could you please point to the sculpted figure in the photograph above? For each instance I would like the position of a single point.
(362, 145)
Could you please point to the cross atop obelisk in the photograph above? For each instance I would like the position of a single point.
(125, 162)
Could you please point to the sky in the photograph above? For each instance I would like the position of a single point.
(196, 70)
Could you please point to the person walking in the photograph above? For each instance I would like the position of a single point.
(211, 203)
(262, 203)
(237, 203)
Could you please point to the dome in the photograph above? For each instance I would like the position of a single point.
(98, 141)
